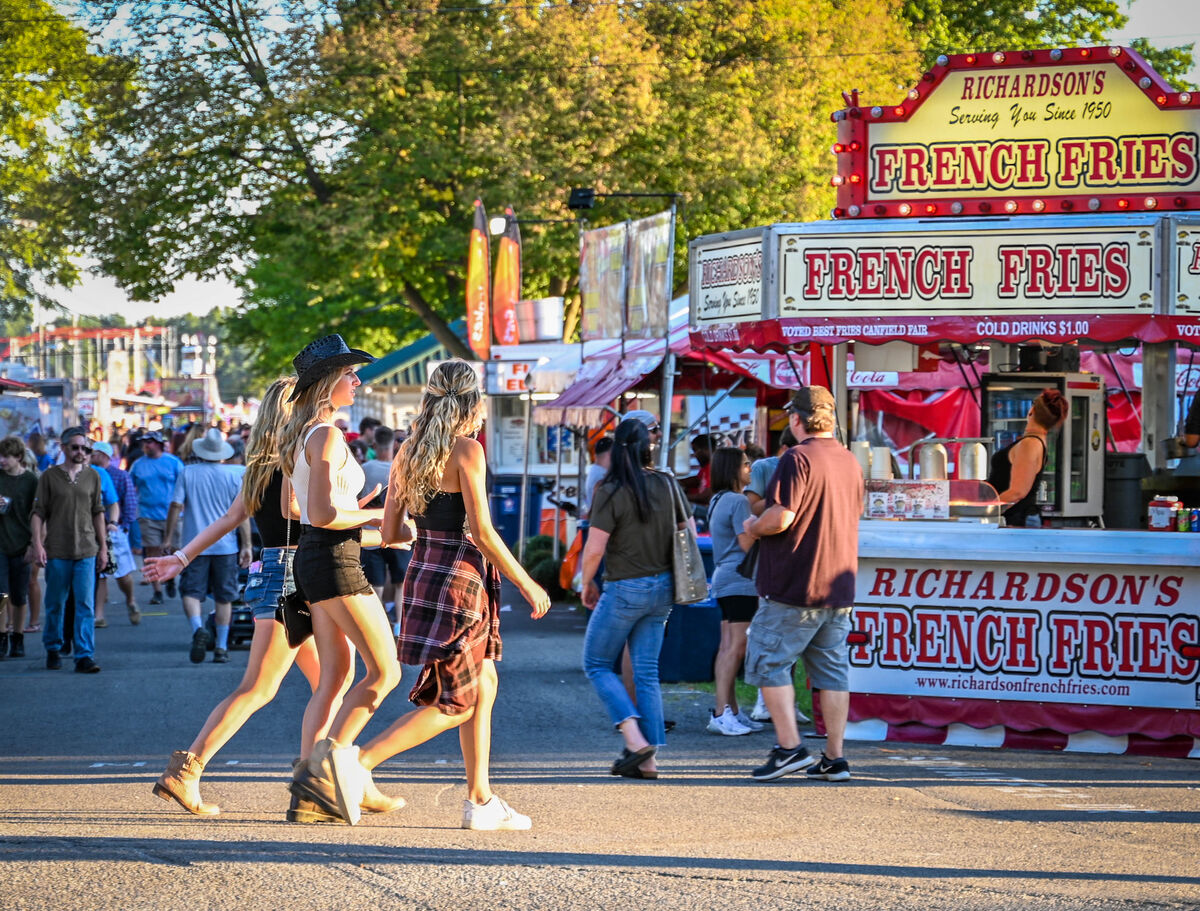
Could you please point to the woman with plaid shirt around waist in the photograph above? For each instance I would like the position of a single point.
(450, 620)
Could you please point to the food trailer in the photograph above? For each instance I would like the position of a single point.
(1023, 204)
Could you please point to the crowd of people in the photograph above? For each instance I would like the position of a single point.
(384, 548)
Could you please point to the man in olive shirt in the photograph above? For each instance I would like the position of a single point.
(68, 539)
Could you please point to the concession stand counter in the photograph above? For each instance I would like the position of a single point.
(1012, 200)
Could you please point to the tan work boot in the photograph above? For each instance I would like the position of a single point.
(374, 800)
(181, 783)
(135, 615)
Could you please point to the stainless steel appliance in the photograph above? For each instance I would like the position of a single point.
(1072, 484)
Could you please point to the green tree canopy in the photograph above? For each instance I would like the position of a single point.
(46, 74)
(962, 26)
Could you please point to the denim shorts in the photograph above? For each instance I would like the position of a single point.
(781, 633)
(328, 564)
(272, 579)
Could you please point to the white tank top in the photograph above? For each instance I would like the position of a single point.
(347, 481)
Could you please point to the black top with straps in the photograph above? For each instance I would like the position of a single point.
(1000, 477)
(445, 512)
(269, 519)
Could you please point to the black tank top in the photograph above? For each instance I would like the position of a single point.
(1000, 477)
(271, 527)
(445, 512)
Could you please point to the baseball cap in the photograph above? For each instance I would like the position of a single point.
(103, 447)
(645, 417)
(154, 436)
(810, 400)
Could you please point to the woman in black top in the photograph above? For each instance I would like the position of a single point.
(1016, 467)
(270, 654)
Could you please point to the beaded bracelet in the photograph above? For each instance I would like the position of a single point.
(182, 558)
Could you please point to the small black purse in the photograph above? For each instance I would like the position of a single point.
(294, 613)
(292, 610)
(749, 565)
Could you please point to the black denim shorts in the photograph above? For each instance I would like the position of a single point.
(328, 564)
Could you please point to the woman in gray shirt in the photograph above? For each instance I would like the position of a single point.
(735, 594)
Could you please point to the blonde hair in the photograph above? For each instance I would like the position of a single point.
(193, 433)
(313, 404)
(449, 409)
(262, 449)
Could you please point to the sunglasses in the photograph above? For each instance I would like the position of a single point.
(77, 448)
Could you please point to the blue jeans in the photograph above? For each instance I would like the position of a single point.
(633, 611)
(63, 576)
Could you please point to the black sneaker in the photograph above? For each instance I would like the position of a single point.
(156, 598)
(171, 588)
(830, 769)
(220, 656)
(86, 666)
(53, 661)
(782, 762)
(199, 646)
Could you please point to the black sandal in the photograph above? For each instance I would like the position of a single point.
(627, 763)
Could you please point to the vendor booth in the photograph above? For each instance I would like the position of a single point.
(1036, 209)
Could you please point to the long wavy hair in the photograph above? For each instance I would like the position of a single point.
(630, 462)
(183, 449)
(312, 405)
(450, 408)
(262, 449)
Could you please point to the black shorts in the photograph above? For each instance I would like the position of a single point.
(381, 562)
(328, 564)
(738, 608)
(14, 579)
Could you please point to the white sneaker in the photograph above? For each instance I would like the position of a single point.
(726, 723)
(759, 712)
(747, 722)
(348, 782)
(801, 718)
(492, 816)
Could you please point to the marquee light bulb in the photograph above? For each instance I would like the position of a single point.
(1145, 82)
(1010, 206)
(998, 57)
(904, 209)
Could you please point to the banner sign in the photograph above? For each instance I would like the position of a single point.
(506, 286)
(1187, 269)
(602, 282)
(1063, 633)
(727, 280)
(1072, 129)
(986, 270)
(508, 377)
(479, 333)
(650, 241)
(1052, 328)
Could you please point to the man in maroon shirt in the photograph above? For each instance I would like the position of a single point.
(807, 564)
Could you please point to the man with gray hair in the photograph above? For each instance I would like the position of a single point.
(70, 540)
(807, 565)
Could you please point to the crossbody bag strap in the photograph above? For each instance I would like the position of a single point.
(287, 519)
(679, 509)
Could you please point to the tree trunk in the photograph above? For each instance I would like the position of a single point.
(439, 327)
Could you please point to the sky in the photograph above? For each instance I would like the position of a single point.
(1164, 22)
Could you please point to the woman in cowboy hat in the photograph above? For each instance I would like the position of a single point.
(270, 655)
(346, 613)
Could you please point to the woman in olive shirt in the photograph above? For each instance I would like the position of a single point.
(632, 521)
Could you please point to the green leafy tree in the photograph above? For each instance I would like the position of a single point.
(46, 74)
(961, 26)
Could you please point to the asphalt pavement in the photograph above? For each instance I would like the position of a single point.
(916, 827)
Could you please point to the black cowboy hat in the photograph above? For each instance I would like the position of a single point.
(321, 356)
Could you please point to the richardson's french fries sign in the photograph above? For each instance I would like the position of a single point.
(1074, 130)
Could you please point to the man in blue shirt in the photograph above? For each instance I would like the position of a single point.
(155, 474)
(204, 491)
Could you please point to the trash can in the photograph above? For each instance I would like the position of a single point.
(693, 635)
(1124, 503)
(505, 503)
